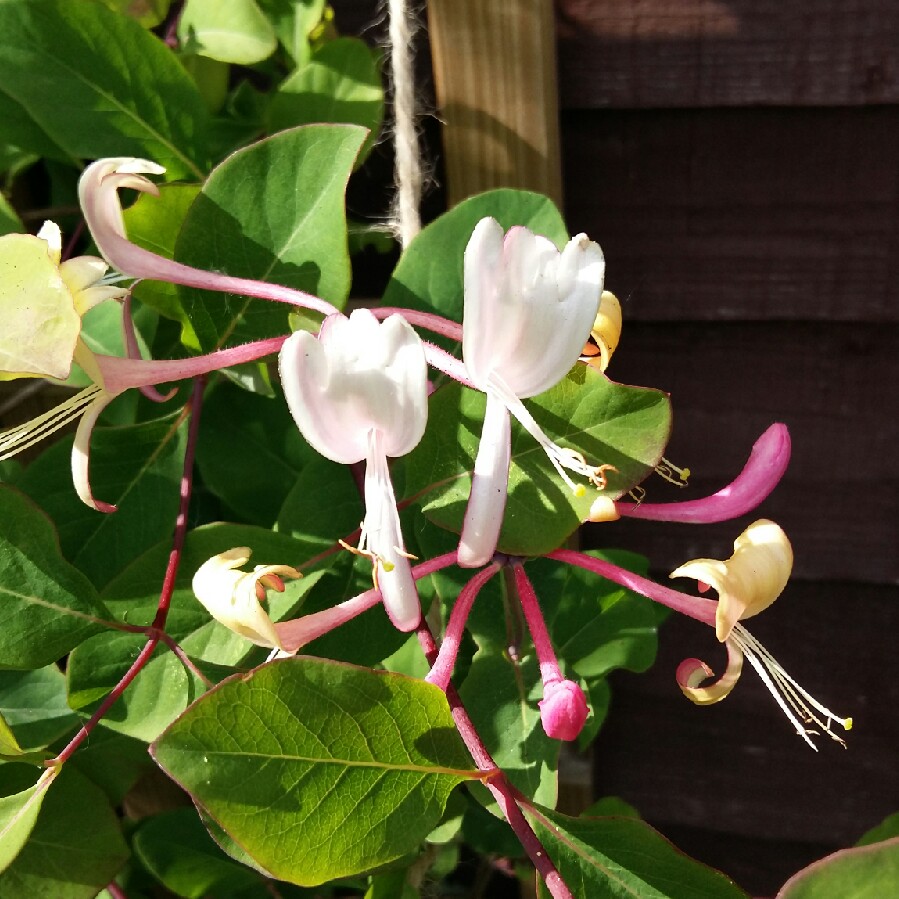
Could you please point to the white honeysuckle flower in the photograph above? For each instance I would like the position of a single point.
(359, 391)
(43, 301)
(234, 598)
(746, 584)
(528, 312)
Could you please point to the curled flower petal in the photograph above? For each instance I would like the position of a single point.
(81, 453)
(98, 190)
(691, 673)
(232, 596)
(563, 710)
(763, 470)
(751, 579)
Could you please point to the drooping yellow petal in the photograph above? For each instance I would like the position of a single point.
(40, 324)
(751, 579)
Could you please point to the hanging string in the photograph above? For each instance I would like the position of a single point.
(407, 171)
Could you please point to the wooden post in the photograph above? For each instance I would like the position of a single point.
(495, 79)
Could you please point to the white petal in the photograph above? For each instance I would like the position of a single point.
(489, 488)
(385, 540)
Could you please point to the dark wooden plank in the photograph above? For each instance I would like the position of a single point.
(738, 768)
(693, 53)
(741, 214)
(835, 388)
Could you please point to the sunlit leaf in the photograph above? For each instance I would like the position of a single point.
(316, 768)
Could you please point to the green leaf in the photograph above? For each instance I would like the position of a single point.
(608, 423)
(34, 705)
(429, 273)
(235, 32)
(886, 830)
(274, 212)
(100, 85)
(350, 768)
(177, 849)
(163, 688)
(618, 857)
(10, 223)
(136, 467)
(341, 83)
(257, 436)
(18, 810)
(294, 21)
(112, 761)
(75, 847)
(148, 13)
(865, 872)
(46, 606)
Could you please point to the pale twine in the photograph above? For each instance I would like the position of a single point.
(405, 217)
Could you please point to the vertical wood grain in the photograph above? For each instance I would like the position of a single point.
(495, 81)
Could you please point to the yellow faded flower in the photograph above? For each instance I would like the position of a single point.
(234, 598)
(605, 333)
(746, 584)
(42, 301)
(750, 580)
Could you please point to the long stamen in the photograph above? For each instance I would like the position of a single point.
(798, 698)
(560, 457)
(25, 435)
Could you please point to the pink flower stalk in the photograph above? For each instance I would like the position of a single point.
(359, 391)
(563, 709)
(442, 669)
(112, 376)
(763, 470)
(98, 194)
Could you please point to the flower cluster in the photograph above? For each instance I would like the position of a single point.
(358, 392)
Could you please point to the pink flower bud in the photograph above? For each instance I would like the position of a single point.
(563, 710)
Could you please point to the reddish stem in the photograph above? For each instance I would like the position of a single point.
(693, 606)
(168, 583)
(495, 780)
(546, 655)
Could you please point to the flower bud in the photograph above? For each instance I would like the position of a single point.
(563, 710)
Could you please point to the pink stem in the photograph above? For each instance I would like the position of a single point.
(763, 470)
(297, 632)
(122, 374)
(168, 585)
(693, 606)
(437, 324)
(447, 363)
(495, 780)
(549, 664)
(442, 668)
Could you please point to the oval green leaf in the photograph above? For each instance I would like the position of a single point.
(318, 769)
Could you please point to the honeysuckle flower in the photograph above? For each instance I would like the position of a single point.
(605, 333)
(234, 598)
(43, 300)
(749, 585)
(98, 190)
(359, 391)
(763, 470)
(746, 584)
(528, 311)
